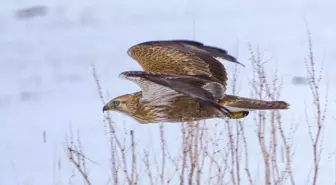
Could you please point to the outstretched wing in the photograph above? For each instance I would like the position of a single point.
(152, 85)
(182, 57)
(236, 103)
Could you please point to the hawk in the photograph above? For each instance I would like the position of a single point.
(182, 81)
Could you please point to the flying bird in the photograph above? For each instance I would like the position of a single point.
(182, 81)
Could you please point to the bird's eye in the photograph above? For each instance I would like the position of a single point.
(115, 103)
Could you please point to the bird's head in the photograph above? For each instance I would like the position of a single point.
(125, 104)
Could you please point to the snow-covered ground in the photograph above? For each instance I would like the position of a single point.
(46, 82)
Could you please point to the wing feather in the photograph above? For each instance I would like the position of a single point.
(194, 87)
(152, 92)
(182, 57)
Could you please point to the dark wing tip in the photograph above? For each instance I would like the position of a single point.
(165, 42)
(221, 53)
(123, 75)
(126, 74)
(173, 41)
(232, 59)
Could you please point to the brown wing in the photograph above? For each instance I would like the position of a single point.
(200, 89)
(182, 57)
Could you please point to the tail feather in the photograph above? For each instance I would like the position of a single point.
(252, 104)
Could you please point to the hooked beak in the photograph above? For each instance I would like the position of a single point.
(106, 107)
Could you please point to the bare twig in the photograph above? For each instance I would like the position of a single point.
(78, 166)
(314, 84)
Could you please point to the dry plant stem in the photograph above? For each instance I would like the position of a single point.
(201, 148)
(314, 84)
(258, 90)
(237, 154)
(201, 163)
(274, 130)
(223, 172)
(175, 161)
(196, 153)
(148, 167)
(123, 156)
(211, 163)
(116, 144)
(78, 166)
(275, 95)
(192, 144)
(113, 162)
(261, 137)
(288, 154)
(185, 152)
(247, 170)
(190, 152)
(273, 148)
(232, 146)
(134, 161)
(232, 149)
(240, 136)
(113, 138)
(270, 156)
(163, 149)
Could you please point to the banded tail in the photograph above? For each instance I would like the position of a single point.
(237, 103)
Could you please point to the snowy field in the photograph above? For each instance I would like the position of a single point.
(46, 82)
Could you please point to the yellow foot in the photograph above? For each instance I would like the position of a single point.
(238, 115)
